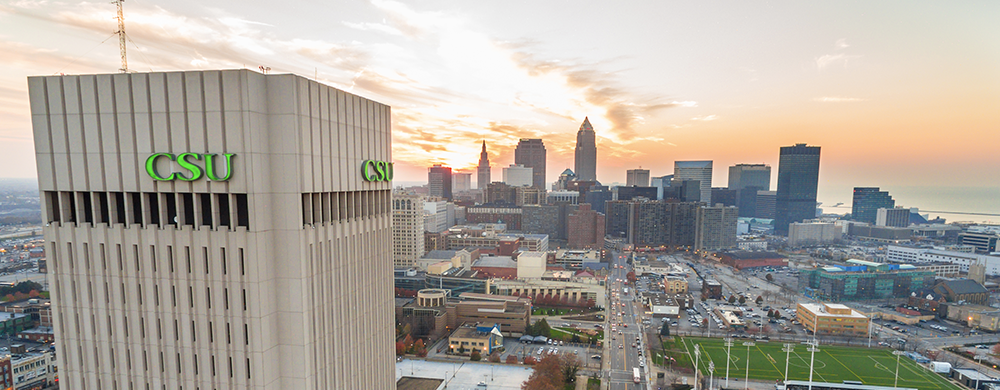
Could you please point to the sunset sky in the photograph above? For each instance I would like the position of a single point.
(900, 93)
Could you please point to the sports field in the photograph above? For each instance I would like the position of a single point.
(833, 364)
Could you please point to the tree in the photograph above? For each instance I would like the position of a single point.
(665, 329)
(996, 349)
(461, 350)
(703, 298)
(769, 277)
(408, 342)
(511, 359)
(547, 375)
(475, 355)
(759, 300)
(743, 299)
(569, 364)
(417, 346)
(631, 276)
(494, 357)
(530, 361)
(407, 329)
(542, 328)
(732, 299)
(400, 348)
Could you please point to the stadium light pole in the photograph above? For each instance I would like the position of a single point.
(729, 349)
(869, 328)
(895, 382)
(980, 359)
(812, 360)
(745, 383)
(711, 373)
(789, 347)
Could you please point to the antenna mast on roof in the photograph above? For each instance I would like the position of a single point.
(121, 34)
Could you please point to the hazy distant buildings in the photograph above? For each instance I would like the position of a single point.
(407, 229)
(439, 181)
(597, 196)
(562, 183)
(813, 233)
(568, 197)
(483, 175)
(586, 228)
(586, 152)
(461, 181)
(499, 192)
(529, 195)
(867, 201)
(518, 175)
(637, 177)
(716, 228)
(683, 190)
(983, 242)
(629, 193)
(765, 204)
(530, 152)
(750, 175)
(505, 213)
(696, 170)
(725, 196)
(661, 183)
(798, 181)
(436, 218)
(894, 217)
(653, 223)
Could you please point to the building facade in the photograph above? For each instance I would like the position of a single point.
(461, 181)
(586, 228)
(813, 233)
(863, 280)
(637, 177)
(696, 170)
(742, 176)
(530, 152)
(716, 228)
(798, 181)
(231, 269)
(867, 201)
(407, 229)
(585, 164)
(517, 175)
(439, 181)
(893, 217)
(483, 175)
(832, 319)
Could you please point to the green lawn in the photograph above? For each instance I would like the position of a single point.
(833, 364)
(560, 332)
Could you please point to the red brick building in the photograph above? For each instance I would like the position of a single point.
(586, 228)
(744, 259)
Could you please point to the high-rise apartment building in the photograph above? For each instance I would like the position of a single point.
(461, 181)
(646, 223)
(216, 229)
(407, 229)
(750, 175)
(867, 201)
(637, 177)
(716, 228)
(765, 204)
(436, 218)
(696, 170)
(586, 152)
(483, 175)
(530, 152)
(894, 217)
(586, 228)
(518, 175)
(798, 181)
(439, 181)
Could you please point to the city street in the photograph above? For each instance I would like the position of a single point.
(624, 337)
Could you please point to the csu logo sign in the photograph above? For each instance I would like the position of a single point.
(191, 166)
(373, 170)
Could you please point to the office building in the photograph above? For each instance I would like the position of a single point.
(483, 175)
(407, 229)
(861, 280)
(696, 170)
(867, 201)
(742, 176)
(633, 192)
(586, 228)
(746, 200)
(518, 175)
(645, 223)
(967, 261)
(683, 190)
(637, 177)
(716, 228)
(562, 183)
(540, 219)
(711, 289)
(661, 183)
(831, 319)
(499, 192)
(436, 218)
(597, 196)
(586, 152)
(461, 181)
(209, 229)
(766, 201)
(529, 195)
(439, 181)
(798, 181)
(567, 197)
(983, 242)
(813, 233)
(741, 259)
(530, 152)
(725, 196)
(505, 213)
(893, 217)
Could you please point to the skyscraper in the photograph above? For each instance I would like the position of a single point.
(407, 229)
(530, 152)
(696, 170)
(867, 201)
(798, 181)
(439, 181)
(586, 152)
(716, 228)
(750, 175)
(483, 171)
(461, 181)
(216, 229)
(637, 177)
(518, 175)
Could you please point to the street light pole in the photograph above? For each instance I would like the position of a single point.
(789, 347)
(745, 383)
(729, 349)
(980, 359)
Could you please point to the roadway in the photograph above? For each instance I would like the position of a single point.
(623, 329)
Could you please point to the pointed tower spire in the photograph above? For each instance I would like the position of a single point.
(483, 175)
(586, 152)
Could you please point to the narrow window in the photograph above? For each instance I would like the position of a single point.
(119, 210)
(103, 214)
(170, 201)
(187, 200)
(154, 208)
(136, 208)
(242, 211)
(223, 200)
(206, 209)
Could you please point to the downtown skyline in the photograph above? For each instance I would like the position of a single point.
(897, 94)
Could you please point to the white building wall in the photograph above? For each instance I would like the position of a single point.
(287, 300)
(899, 254)
(518, 175)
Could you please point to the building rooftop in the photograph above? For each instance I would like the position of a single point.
(412, 383)
(822, 309)
(747, 255)
(965, 286)
(496, 262)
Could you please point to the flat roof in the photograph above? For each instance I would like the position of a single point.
(818, 308)
(412, 383)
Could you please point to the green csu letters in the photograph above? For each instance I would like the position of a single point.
(372, 170)
(191, 166)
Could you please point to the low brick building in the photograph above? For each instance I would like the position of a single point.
(745, 259)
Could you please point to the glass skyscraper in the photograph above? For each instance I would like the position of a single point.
(798, 180)
(867, 201)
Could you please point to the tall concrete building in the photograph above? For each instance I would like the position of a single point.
(216, 229)
(798, 181)
(646, 223)
(867, 201)
(764, 207)
(750, 175)
(895, 217)
(483, 175)
(439, 181)
(696, 170)
(407, 229)
(716, 227)
(586, 228)
(637, 177)
(518, 175)
(530, 152)
(461, 181)
(586, 152)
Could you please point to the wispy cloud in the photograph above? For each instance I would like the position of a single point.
(826, 60)
(705, 118)
(836, 99)
(841, 43)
